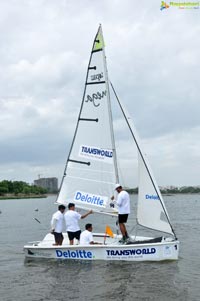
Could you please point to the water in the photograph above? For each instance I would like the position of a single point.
(61, 280)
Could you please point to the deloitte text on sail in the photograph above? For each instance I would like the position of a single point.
(89, 198)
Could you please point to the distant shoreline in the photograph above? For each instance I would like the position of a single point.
(167, 193)
(173, 191)
(22, 196)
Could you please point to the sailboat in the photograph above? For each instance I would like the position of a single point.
(90, 176)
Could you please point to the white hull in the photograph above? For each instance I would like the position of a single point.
(167, 249)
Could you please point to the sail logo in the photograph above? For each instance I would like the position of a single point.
(90, 199)
(132, 252)
(151, 197)
(95, 97)
(98, 76)
(80, 254)
(95, 153)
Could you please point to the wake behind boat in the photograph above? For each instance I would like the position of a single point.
(91, 173)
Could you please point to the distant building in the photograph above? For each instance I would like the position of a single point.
(51, 184)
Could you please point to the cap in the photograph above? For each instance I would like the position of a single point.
(117, 186)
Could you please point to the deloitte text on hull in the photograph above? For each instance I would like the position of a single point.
(82, 254)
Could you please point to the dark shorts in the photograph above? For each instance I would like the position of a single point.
(58, 237)
(73, 235)
(122, 218)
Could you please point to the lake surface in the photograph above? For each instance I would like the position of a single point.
(61, 280)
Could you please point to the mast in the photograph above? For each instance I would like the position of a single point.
(110, 113)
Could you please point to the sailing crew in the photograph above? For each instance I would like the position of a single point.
(123, 203)
(57, 225)
(71, 220)
(86, 237)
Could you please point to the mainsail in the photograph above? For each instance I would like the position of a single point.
(91, 169)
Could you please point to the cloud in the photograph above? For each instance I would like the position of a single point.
(152, 59)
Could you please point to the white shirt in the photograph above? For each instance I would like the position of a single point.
(57, 221)
(86, 237)
(71, 219)
(123, 202)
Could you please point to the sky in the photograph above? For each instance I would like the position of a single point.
(153, 62)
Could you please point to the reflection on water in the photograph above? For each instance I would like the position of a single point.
(110, 280)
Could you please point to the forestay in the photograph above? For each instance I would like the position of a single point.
(91, 171)
(151, 210)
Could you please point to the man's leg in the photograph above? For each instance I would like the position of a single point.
(61, 239)
(56, 239)
(122, 229)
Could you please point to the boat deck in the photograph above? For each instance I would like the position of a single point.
(48, 240)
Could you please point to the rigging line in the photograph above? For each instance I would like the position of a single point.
(140, 152)
(110, 116)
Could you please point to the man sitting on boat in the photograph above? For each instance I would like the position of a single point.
(71, 219)
(86, 237)
(123, 203)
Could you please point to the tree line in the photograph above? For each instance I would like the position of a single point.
(174, 190)
(20, 187)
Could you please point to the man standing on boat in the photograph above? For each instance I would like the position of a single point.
(71, 219)
(57, 225)
(123, 203)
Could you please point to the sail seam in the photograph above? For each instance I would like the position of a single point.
(94, 170)
(92, 180)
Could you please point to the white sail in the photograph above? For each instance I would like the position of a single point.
(91, 171)
(151, 210)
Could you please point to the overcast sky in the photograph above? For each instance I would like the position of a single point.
(153, 62)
